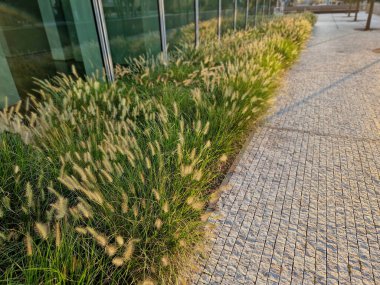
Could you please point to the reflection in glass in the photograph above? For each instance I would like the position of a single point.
(133, 28)
(227, 15)
(39, 38)
(8, 91)
(271, 6)
(255, 12)
(240, 15)
(264, 9)
(178, 15)
(208, 10)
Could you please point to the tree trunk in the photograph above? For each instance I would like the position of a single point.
(370, 12)
(357, 10)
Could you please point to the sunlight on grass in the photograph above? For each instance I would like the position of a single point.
(109, 183)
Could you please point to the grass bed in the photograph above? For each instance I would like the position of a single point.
(109, 183)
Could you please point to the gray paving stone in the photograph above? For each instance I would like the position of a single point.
(304, 207)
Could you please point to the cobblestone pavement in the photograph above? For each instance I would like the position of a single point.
(304, 207)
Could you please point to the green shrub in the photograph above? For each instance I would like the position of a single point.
(108, 183)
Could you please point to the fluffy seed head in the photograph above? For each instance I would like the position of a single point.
(124, 204)
(129, 249)
(57, 229)
(148, 163)
(197, 205)
(135, 210)
(223, 158)
(120, 240)
(156, 194)
(29, 195)
(186, 170)
(118, 261)
(142, 178)
(111, 250)
(165, 260)
(206, 128)
(81, 230)
(165, 207)
(99, 238)
(179, 152)
(60, 207)
(175, 109)
(197, 176)
(158, 223)
(106, 175)
(42, 230)
(84, 210)
(148, 282)
(80, 172)
(28, 244)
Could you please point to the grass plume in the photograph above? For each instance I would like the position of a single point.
(109, 182)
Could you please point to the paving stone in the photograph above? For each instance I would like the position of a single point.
(304, 207)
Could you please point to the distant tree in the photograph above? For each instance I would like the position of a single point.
(370, 12)
(357, 10)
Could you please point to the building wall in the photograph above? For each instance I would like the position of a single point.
(40, 38)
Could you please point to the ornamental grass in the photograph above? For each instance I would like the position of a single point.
(109, 183)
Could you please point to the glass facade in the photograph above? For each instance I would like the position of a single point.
(264, 8)
(208, 10)
(227, 15)
(258, 11)
(241, 6)
(133, 28)
(179, 14)
(253, 7)
(40, 38)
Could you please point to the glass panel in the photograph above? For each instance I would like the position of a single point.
(252, 12)
(208, 12)
(271, 6)
(208, 9)
(240, 17)
(39, 38)
(133, 28)
(227, 15)
(8, 90)
(264, 9)
(179, 14)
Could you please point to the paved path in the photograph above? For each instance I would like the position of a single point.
(305, 201)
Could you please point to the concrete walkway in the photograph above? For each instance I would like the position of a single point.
(305, 201)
